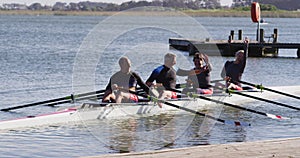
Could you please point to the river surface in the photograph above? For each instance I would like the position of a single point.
(45, 57)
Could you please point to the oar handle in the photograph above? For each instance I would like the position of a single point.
(89, 93)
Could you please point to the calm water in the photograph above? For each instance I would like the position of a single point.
(45, 57)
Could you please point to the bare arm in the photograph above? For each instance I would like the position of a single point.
(181, 72)
(107, 92)
(208, 64)
(246, 46)
(223, 73)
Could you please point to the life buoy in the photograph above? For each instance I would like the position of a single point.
(255, 12)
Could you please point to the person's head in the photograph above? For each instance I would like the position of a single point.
(170, 59)
(239, 56)
(198, 60)
(125, 64)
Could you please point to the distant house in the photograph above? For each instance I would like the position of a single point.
(14, 6)
(59, 6)
(241, 3)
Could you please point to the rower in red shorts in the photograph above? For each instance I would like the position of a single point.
(233, 70)
(199, 78)
(165, 78)
(122, 82)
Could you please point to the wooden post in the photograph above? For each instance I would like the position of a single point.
(275, 35)
(261, 36)
(232, 34)
(240, 34)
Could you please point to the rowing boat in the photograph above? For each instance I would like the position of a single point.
(93, 110)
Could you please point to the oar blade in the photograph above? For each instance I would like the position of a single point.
(278, 117)
(236, 123)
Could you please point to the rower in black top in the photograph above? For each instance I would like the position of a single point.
(199, 78)
(121, 82)
(233, 70)
(165, 77)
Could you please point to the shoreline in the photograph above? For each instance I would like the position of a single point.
(199, 13)
(288, 148)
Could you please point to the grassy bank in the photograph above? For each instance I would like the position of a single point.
(200, 13)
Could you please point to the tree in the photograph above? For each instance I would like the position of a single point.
(35, 6)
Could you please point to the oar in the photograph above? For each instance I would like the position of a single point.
(243, 108)
(234, 106)
(268, 89)
(98, 96)
(69, 98)
(215, 81)
(262, 99)
(227, 122)
(183, 85)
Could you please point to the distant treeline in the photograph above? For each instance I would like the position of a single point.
(282, 4)
(269, 5)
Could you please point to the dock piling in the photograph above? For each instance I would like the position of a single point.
(240, 35)
(261, 36)
(232, 34)
(275, 35)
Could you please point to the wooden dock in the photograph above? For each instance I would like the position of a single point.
(287, 148)
(230, 46)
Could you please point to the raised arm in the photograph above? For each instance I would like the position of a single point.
(246, 46)
(206, 60)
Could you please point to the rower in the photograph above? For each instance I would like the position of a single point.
(233, 70)
(122, 82)
(165, 77)
(199, 78)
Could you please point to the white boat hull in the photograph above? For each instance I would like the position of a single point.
(92, 111)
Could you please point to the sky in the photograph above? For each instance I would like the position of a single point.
(52, 2)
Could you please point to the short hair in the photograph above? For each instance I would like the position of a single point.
(169, 57)
(123, 60)
(238, 52)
